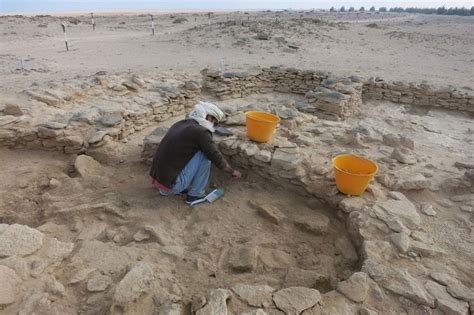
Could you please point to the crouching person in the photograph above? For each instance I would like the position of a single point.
(182, 162)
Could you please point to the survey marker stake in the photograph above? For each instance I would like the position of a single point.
(63, 25)
(92, 21)
(152, 25)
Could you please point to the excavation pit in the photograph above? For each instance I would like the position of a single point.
(283, 227)
(258, 234)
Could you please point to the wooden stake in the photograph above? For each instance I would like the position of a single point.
(152, 26)
(63, 25)
(92, 21)
(209, 17)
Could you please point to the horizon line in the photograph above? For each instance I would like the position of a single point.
(205, 10)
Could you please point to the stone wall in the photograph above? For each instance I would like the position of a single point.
(80, 133)
(227, 85)
(287, 165)
(419, 94)
(325, 93)
(335, 96)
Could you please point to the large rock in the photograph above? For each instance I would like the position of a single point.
(171, 309)
(97, 137)
(53, 286)
(155, 136)
(295, 300)
(404, 156)
(111, 119)
(243, 258)
(367, 311)
(45, 97)
(87, 167)
(238, 119)
(352, 204)
(401, 241)
(460, 291)
(427, 209)
(263, 35)
(192, 85)
(275, 259)
(286, 159)
(151, 143)
(377, 250)
(455, 287)
(255, 295)
(404, 210)
(393, 222)
(217, 303)
(315, 223)
(426, 250)
(334, 302)
(346, 248)
(136, 283)
(269, 212)
(98, 283)
(81, 275)
(18, 264)
(394, 140)
(413, 182)
(306, 278)
(9, 282)
(446, 302)
(355, 288)
(331, 102)
(13, 110)
(52, 253)
(113, 259)
(19, 240)
(399, 281)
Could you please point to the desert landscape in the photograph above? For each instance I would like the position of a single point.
(82, 231)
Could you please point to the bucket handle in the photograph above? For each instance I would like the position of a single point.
(266, 120)
(364, 160)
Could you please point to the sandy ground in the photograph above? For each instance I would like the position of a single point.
(437, 49)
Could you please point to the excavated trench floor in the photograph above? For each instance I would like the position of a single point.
(116, 218)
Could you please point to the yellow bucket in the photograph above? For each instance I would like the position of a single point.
(353, 173)
(261, 125)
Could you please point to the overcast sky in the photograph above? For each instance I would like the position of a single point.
(25, 6)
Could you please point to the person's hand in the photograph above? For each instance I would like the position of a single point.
(236, 174)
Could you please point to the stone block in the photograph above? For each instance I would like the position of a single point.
(243, 258)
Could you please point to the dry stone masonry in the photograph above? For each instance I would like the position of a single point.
(339, 96)
(113, 107)
(334, 96)
(421, 94)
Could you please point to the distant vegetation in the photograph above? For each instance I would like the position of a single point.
(441, 10)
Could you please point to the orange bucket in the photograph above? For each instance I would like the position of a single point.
(261, 125)
(353, 173)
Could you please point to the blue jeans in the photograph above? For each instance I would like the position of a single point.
(193, 177)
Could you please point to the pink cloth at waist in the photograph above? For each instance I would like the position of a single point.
(159, 185)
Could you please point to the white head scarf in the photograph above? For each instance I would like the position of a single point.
(201, 110)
